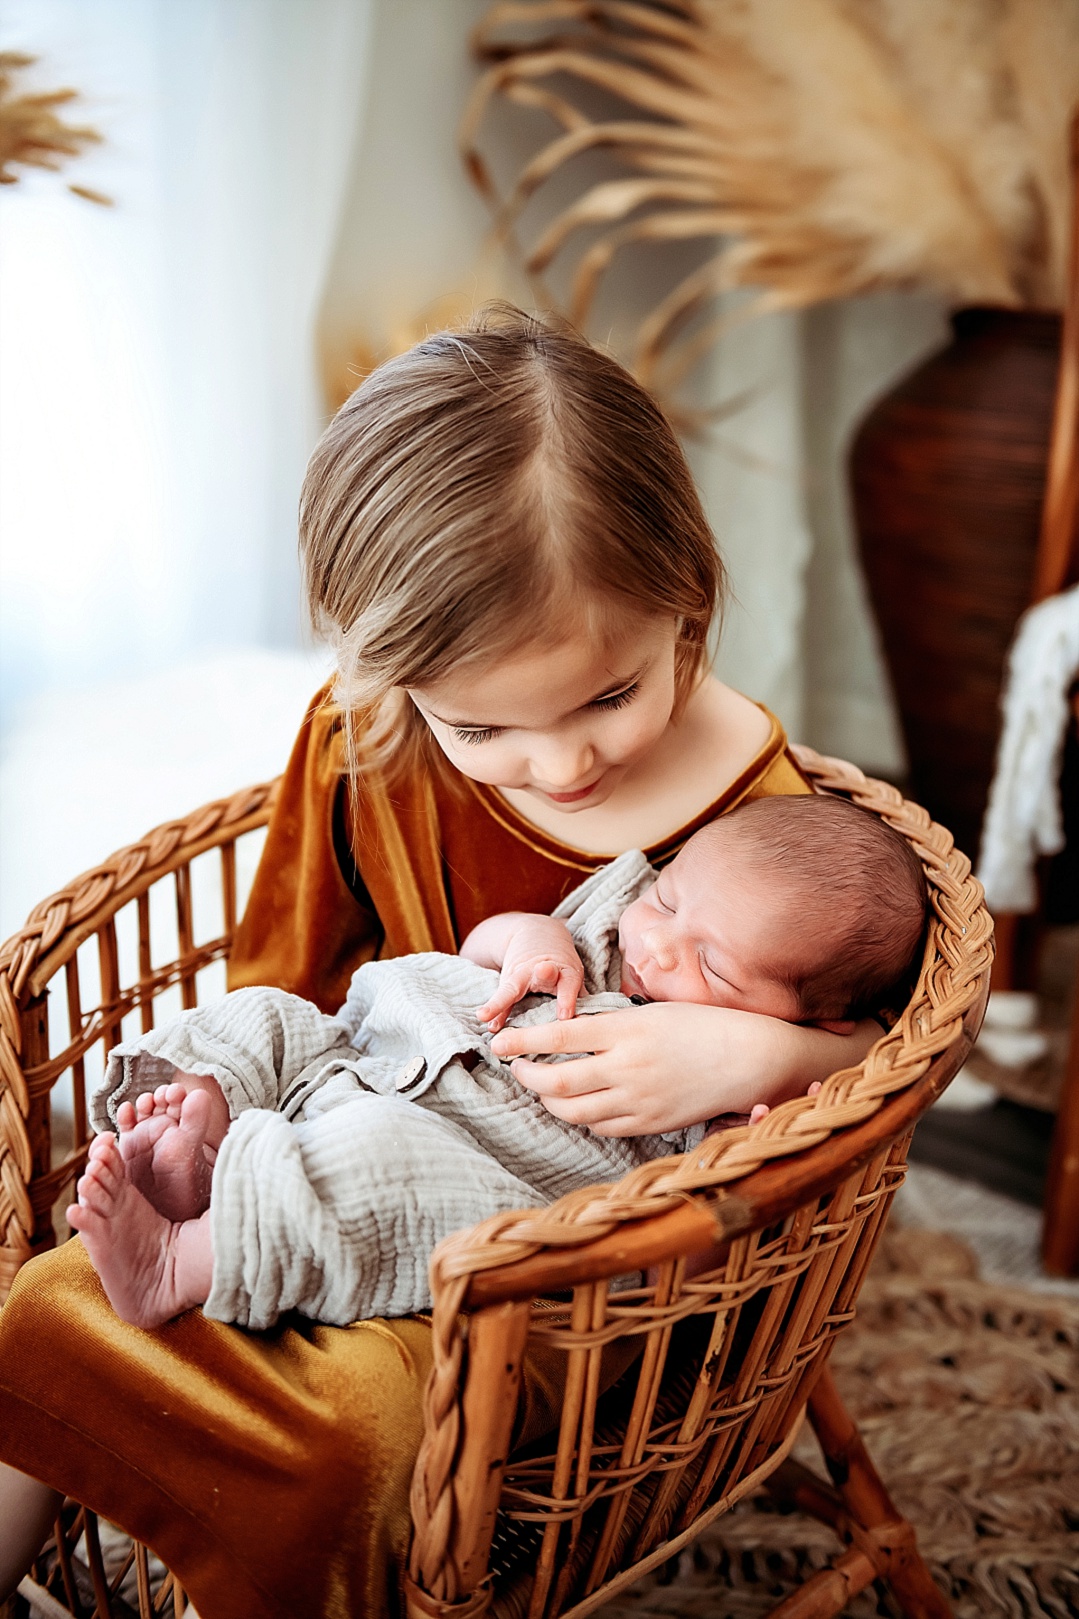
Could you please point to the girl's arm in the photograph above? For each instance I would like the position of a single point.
(667, 1065)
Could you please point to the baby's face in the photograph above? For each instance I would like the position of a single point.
(712, 932)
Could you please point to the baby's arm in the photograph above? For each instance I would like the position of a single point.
(533, 954)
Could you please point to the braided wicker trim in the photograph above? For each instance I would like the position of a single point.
(958, 958)
(137, 867)
(70, 916)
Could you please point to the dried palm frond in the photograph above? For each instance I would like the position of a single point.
(345, 358)
(821, 147)
(345, 363)
(32, 135)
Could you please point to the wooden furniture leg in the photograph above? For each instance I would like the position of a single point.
(462, 1517)
(1057, 568)
(883, 1544)
(1060, 1233)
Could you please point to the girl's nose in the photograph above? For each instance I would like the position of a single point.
(562, 764)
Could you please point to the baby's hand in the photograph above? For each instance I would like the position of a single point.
(762, 1110)
(540, 958)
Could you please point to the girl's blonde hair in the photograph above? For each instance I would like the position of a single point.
(486, 491)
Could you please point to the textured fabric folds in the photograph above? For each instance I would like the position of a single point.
(1023, 819)
(360, 1141)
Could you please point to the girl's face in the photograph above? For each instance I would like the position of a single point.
(565, 723)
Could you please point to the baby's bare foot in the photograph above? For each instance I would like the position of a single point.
(167, 1149)
(133, 1248)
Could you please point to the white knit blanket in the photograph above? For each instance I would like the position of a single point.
(1023, 819)
(359, 1141)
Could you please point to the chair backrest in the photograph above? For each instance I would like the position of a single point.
(138, 937)
(752, 1250)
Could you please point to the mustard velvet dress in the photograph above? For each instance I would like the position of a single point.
(271, 1470)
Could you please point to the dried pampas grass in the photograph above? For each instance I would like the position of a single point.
(32, 135)
(833, 147)
(346, 358)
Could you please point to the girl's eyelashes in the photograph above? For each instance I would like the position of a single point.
(618, 699)
(487, 733)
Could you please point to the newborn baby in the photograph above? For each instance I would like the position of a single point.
(290, 1160)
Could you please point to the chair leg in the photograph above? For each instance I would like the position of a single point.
(877, 1528)
(828, 1592)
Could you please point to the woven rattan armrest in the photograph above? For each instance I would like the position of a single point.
(842, 1149)
(710, 1220)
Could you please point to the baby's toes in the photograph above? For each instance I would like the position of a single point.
(144, 1105)
(107, 1163)
(126, 1117)
(195, 1112)
(101, 1146)
(95, 1190)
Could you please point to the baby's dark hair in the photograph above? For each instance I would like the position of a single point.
(860, 887)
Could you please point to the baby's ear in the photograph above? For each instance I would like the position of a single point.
(835, 1025)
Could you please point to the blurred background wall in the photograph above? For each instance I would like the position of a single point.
(287, 193)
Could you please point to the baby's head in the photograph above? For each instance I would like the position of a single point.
(805, 908)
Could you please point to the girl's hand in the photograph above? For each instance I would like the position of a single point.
(667, 1065)
(539, 958)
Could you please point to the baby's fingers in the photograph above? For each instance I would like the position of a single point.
(506, 996)
(570, 984)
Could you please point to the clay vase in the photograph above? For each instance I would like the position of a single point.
(948, 473)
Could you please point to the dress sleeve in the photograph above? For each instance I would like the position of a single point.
(306, 929)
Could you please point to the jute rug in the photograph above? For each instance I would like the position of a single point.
(967, 1395)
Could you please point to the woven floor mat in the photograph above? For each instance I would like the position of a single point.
(967, 1395)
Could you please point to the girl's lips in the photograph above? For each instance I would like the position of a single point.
(574, 797)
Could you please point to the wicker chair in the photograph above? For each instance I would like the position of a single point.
(752, 1251)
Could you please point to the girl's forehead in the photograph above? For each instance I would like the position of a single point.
(546, 679)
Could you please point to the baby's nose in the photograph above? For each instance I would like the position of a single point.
(661, 946)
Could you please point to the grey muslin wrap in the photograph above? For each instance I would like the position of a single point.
(359, 1141)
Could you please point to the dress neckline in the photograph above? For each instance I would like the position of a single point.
(657, 854)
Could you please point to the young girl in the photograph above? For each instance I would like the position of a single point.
(503, 541)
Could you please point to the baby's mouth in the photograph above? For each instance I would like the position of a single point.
(631, 984)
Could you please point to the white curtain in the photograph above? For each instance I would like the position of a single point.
(158, 396)
(282, 166)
